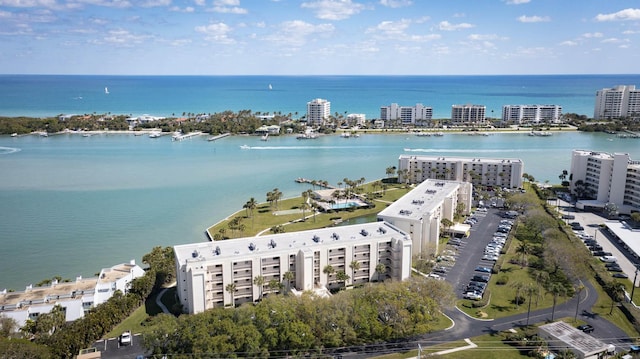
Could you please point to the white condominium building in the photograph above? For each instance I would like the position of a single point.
(499, 172)
(599, 178)
(522, 114)
(468, 114)
(318, 111)
(616, 102)
(417, 115)
(421, 211)
(75, 297)
(223, 273)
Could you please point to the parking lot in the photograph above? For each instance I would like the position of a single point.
(591, 229)
(111, 348)
(466, 263)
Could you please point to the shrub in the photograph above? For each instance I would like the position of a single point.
(502, 280)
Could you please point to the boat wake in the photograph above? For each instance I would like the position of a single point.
(8, 150)
(302, 147)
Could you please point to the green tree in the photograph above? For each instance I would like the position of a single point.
(355, 266)
(231, 288)
(390, 171)
(161, 261)
(381, 269)
(259, 281)
(250, 206)
(342, 277)
(616, 291)
(556, 290)
(329, 271)
(288, 276)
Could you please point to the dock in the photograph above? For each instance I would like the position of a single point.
(323, 184)
(186, 136)
(223, 135)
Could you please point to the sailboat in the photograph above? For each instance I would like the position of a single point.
(106, 90)
(270, 87)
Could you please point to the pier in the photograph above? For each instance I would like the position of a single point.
(322, 184)
(223, 135)
(185, 136)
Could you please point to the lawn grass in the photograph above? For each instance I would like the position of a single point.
(603, 307)
(134, 322)
(265, 216)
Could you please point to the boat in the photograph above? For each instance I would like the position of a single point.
(139, 133)
(265, 137)
(540, 133)
(14, 134)
(438, 134)
(307, 136)
(270, 87)
(43, 134)
(86, 135)
(245, 147)
(106, 90)
(345, 135)
(423, 134)
(155, 134)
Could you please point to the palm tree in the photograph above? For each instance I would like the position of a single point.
(342, 277)
(578, 289)
(328, 270)
(355, 266)
(380, 269)
(231, 288)
(617, 294)
(250, 206)
(530, 290)
(277, 195)
(304, 206)
(518, 286)
(258, 281)
(524, 249)
(288, 277)
(446, 223)
(391, 170)
(556, 289)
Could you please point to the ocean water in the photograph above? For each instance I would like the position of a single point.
(70, 205)
(50, 95)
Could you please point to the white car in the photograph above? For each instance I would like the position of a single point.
(489, 257)
(125, 338)
(472, 296)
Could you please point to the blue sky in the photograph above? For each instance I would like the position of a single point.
(308, 37)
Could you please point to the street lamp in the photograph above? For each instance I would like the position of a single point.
(633, 287)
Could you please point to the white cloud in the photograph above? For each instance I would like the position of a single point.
(447, 26)
(296, 32)
(613, 40)
(334, 9)
(590, 35)
(622, 15)
(396, 3)
(485, 37)
(200, 2)
(187, 9)
(517, 2)
(105, 3)
(568, 43)
(396, 30)
(630, 32)
(124, 38)
(227, 7)
(156, 3)
(28, 3)
(533, 19)
(217, 32)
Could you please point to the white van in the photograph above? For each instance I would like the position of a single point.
(609, 259)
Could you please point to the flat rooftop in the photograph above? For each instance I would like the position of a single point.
(462, 159)
(629, 237)
(110, 275)
(58, 291)
(425, 198)
(577, 339)
(284, 242)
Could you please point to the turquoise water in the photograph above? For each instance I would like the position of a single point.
(42, 95)
(344, 205)
(71, 205)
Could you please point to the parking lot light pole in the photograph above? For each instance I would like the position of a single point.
(633, 286)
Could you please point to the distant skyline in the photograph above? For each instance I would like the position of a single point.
(319, 37)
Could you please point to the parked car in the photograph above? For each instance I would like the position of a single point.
(125, 338)
(483, 269)
(481, 278)
(472, 295)
(614, 269)
(609, 259)
(568, 216)
(586, 328)
(620, 275)
(488, 257)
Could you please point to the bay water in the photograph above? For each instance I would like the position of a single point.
(70, 205)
